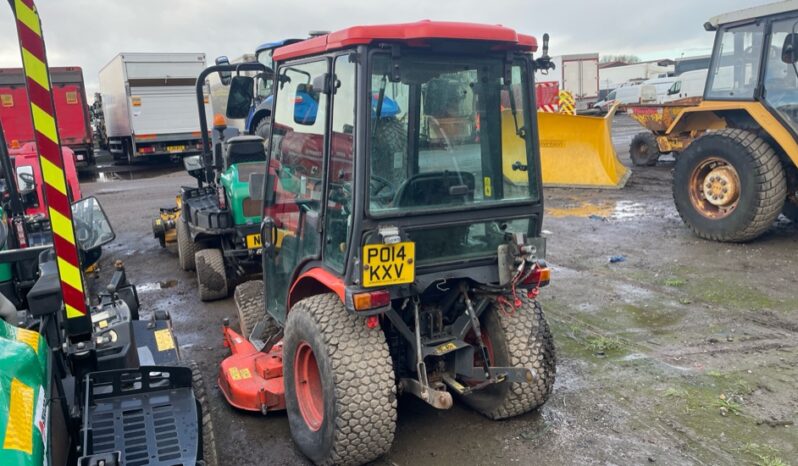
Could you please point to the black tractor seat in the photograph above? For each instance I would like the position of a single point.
(242, 149)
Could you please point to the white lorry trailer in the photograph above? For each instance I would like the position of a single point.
(149, 104)
(577, 74)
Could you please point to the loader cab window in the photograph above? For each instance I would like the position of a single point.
(781, 76)
(450, 133)
(734, 70)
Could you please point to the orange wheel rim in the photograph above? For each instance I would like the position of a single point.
(714, 188)
(309, 392)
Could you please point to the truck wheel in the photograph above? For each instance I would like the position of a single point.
(340, 392)
(518, 339)
(251, 307)
(186, 248)
(211, 275)
(729, 185)
(644, 150)
(204, 406)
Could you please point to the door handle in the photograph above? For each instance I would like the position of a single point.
(268, 235)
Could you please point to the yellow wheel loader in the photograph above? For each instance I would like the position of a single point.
(737, 153)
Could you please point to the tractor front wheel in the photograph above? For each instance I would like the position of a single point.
(251, 307)
(729, 185)
(516, 338)
(644, 150)
(340, 392)
(186, 248)
(211, 274)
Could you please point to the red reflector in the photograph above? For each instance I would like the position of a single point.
(298, 99)
(372, 322)
(146, 150)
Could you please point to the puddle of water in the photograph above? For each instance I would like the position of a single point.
(153, 286)
(616, 210)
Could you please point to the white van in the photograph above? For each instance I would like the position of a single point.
(688, 84)
(654, 91)
(626, 93)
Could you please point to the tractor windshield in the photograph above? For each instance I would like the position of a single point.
(448, 134)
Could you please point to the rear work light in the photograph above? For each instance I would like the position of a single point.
(371, 300)
(540, 275)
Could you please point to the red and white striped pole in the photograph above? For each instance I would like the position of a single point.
(40, 95)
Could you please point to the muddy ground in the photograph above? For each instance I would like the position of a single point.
(682, 353)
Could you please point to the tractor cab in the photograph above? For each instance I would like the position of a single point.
(401, 245)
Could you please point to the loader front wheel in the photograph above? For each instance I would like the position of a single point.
(251, 307)
(211, 274)
(644, 150)
(186, 248)
(729, 185)
(340, 392)
(516, 338)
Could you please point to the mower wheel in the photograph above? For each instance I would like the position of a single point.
(644, 150)
(251, 307)
(340, 392)
(211, 275)
(518, 338)
(186, 248)
(204, 408)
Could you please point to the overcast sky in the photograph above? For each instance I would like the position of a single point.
(89, 33)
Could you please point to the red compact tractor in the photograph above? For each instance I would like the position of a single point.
(401, 252)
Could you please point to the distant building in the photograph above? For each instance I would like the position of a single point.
(691, 64)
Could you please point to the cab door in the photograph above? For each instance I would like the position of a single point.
(293, 202)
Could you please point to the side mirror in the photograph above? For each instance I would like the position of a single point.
(789, 51)
(240, 97)
(224, 76)
(92, 228)
(256, 186)
(193, 165)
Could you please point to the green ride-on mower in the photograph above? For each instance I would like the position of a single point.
(395, 262)
(216, 224)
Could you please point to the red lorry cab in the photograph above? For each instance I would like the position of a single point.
(69, 95)
(25, 160)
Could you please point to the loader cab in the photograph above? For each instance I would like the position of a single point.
(756, 60)
(412, 160)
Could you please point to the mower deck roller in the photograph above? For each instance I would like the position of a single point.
(577, 151)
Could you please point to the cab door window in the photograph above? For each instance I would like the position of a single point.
(338, 217)
(781, 74)
(734, 70)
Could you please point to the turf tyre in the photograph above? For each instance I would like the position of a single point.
(211, 274)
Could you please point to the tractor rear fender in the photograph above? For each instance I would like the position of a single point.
(314, 282)
(709, 115)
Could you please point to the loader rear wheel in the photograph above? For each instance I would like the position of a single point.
(186, 248)
(204, 408)
(518, 339)
(729, 185)
(251, 307)
(644, 150)
(211, 275)
(340, 392)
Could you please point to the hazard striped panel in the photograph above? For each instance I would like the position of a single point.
(37, 80)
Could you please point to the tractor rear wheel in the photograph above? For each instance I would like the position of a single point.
(263, 128)
(211, 274)
(186, 248)
(518, 339)
(644, 150)
(340, 392)
(251, 307)
(729, 185)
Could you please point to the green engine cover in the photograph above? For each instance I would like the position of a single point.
(235, 181)
(24, 383)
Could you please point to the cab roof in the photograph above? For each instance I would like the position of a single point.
(745, 14)
(413, 34)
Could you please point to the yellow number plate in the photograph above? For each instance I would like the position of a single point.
(175, 148)
(253, 241)
(389, 264)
